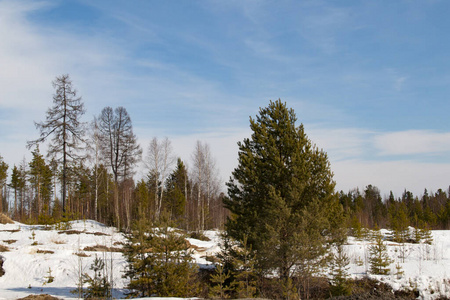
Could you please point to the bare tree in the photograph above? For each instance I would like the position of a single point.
(64, 125)
(159, 161)
(205, 177)
(94, 149)
(119, 147)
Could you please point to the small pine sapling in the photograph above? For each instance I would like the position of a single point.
(219, 289)
(49, 278)
(340, 278)
(399, 271)
(378, 256)
(98, 285)
(244, 263)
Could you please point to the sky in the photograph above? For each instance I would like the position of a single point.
(369, 80)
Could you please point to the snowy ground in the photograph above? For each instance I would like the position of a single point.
(35, 252)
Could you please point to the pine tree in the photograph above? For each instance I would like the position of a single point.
(281, 194)
(3, 177)
(40, 177)
(175, 201)
(98, 286)
(15, 184)
(379, 258)
(219, 289)
(399, 222)
(340, 278)
(64, 124)
(245, 270)
(159, 262)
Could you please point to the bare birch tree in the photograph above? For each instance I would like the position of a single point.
(205, 177)
(94, 149)
(119, 147)
(159, 161)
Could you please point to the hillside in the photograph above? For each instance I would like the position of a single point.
(33, 254)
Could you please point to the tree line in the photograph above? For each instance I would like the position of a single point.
(89, 170)
(369, 209)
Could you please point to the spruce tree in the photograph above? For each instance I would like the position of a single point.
(281, 195)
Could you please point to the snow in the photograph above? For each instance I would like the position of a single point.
(424, 266)
(34, 250)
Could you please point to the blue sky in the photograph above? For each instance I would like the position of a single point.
(368, 79)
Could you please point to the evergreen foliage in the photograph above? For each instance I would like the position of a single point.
(378, 257)
(245, 271)
(279, 192)
(98, 286)
(175, 201)
(399, 222)
(340, 278)
(219, 288)
(159, 262)
(3, 177)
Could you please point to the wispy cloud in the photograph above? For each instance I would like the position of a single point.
(409, 142)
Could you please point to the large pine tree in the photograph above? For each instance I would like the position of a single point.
(281, 195)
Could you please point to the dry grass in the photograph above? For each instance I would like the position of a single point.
(9, 242)
(40, 251)
(4, 219)
(80, 232)
(3, 248)
(102, 248)
(82, 254)
(45, 251)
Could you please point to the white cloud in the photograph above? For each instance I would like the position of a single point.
(412, 142)
(340, 143)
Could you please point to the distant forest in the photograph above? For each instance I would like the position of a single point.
(89, 173)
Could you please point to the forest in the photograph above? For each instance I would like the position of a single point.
(89, 170)
(281, 214)
(89, 173)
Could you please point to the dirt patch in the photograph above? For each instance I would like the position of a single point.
(81, 254)
(100, 234)
(4, 219)
(9, 242)
(39, 297)
(3, 248)
(80, 232)
(102, 248)
(45, 251)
